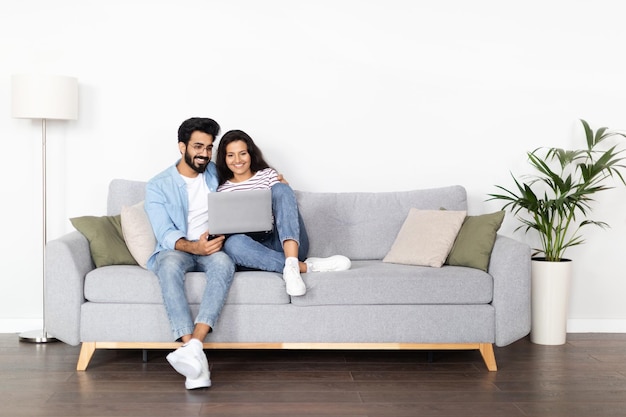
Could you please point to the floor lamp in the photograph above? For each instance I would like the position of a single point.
(43, 97)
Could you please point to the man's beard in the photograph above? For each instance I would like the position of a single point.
(198, 168)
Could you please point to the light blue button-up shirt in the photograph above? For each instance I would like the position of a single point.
(167, 206)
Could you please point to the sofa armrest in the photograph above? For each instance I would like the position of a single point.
(510, 268)
(68, 259)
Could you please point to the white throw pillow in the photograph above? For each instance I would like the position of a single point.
(138, 233)
(426, 237)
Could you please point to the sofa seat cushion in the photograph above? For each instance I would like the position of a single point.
(375, 282)
(133, 284)
(367, 282)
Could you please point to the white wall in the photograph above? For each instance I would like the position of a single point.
(341, 95)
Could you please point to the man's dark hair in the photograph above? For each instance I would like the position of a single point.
(202, 124)
(257, 162)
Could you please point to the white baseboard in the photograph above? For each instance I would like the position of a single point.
(19, 325)
(596, 326)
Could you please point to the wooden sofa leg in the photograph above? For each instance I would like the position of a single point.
(486, 350)
(87, 350)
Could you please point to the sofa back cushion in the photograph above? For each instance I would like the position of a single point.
(361, 226)
(124, 193)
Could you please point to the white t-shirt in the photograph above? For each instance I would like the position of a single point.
(197, 218)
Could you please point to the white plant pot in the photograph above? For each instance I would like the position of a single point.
(550, 291)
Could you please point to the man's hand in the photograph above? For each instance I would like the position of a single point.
(202, 246)
(209, 247)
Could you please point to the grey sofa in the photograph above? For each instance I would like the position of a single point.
(374, 305)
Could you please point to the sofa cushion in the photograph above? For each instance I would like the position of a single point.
(138, 233)
(475, 241)
(367, 282)
(132, 284)
(376, 282)
(359, 225)
(364, 225)
(106, 241)
(124, 193)
(426, 237)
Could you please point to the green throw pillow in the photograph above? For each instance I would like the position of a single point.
(474, 243)
(106, 240)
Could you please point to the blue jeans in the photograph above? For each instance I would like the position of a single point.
(170, 266)
(266, 253)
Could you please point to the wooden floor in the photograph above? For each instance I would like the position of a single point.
(585, 377)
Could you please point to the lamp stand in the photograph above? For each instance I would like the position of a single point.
(42, 336)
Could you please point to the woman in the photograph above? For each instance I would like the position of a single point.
(240, 166)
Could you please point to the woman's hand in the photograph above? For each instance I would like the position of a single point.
(282, 179)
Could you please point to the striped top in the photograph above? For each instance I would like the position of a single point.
(261, 180)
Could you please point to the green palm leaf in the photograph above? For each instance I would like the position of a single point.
(562, 189)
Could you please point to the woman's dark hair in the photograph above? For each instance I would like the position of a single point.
(202, 124)
(257, 162)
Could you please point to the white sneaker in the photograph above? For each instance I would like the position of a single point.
(187, 359)
(332, 263)
(293, 281)
(204, 380)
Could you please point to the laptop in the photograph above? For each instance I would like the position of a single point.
(240, 212)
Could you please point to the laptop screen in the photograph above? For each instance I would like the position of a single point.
(240, 212)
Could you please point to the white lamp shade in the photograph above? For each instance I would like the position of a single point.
(44, 97)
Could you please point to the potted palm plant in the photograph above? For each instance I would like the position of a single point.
(555, 203)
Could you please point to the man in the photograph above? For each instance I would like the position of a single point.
(176, 204)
